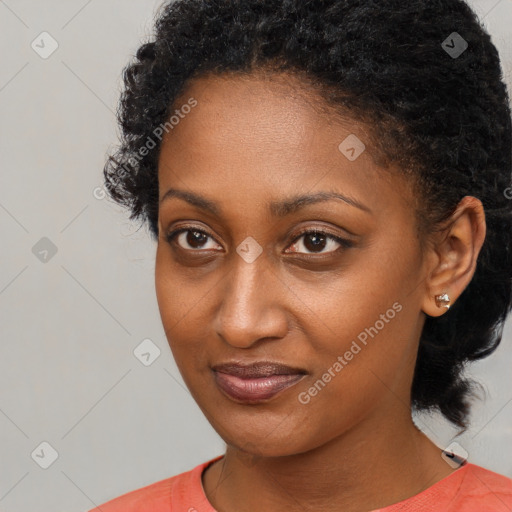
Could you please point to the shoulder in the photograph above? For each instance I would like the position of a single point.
(150, 497)
(484, 490)
(162, 496)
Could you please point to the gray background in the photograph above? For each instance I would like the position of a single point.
(69, 325)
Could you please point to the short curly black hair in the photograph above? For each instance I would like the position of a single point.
(441, 115)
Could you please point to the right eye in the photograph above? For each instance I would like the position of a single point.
(189, 239)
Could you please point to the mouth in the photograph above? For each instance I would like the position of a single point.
(256, 382)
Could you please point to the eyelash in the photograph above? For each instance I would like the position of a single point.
(344, 243)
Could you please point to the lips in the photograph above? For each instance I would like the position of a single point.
(255, 382)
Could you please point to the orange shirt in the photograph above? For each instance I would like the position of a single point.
(470, 488)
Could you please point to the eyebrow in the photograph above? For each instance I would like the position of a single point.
(276, 208)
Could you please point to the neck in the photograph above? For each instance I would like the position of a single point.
(363, 469)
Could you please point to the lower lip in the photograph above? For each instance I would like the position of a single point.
(256, 389)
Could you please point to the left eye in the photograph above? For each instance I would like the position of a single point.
(317, 241)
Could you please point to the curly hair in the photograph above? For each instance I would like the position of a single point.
(443, 119)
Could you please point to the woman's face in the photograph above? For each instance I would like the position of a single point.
(340, 310)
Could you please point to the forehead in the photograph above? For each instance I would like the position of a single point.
(265, 133)
(270, 111)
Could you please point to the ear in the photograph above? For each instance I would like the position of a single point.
(453, 254)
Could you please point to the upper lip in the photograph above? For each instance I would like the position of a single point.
(257, 369)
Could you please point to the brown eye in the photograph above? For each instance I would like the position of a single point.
(190, 239)
(315, 241)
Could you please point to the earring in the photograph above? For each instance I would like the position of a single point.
(443, 301)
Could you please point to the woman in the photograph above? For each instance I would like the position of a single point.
(327, 183)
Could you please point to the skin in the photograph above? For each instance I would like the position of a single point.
(353, 447)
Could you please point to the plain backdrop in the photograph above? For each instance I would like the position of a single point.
(77, 278)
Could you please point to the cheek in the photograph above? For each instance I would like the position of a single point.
(182, 302)
(370, 364)
(358, 302)
(175, 296)
(363, 328)
(172, 302)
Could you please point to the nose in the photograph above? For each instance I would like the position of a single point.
(251, 306)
